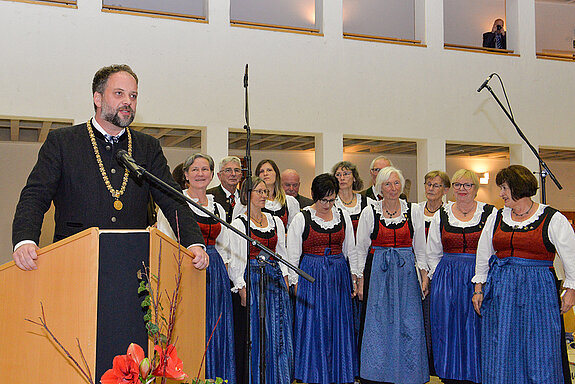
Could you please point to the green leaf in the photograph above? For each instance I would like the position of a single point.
(146, 302)
(143, 287)
(152, 328)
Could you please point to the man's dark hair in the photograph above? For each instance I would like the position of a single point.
(101, 77)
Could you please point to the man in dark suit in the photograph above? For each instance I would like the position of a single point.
(495, 38)
(78, 172)
(227, 194)
(376, 165)
(291, 183)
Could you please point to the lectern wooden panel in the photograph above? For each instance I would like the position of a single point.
(67, 283)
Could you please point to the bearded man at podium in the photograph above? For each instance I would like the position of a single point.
(78, 171)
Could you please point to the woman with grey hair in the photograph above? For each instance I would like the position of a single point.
(220, 357)
(391, 251)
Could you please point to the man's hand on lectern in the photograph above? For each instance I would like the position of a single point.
(25, 255)
(201, 259)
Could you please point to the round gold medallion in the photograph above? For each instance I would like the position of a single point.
(118, 205)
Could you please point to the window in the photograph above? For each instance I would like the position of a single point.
(554, 29)
(176, 9)
(465, 22)
(290, 15)
(386, 20)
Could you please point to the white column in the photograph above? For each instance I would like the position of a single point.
(434, 23)
(215, 144)
(430, 156)
(328, 151)
(218, 13)
(521, 36)
(332, 22)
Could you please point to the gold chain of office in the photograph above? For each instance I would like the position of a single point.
(115, 193)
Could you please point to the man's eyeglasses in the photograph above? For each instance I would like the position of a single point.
(231, 170)
(466, 186)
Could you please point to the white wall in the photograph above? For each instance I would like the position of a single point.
(191, 74)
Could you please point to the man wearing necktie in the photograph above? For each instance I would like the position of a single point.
(497, 37)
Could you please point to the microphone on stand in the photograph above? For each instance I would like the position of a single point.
(129, 163)
(246, 77)
(485, 83)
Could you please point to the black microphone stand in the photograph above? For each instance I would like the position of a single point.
(543, 168)
(261, 264)
(248, 159)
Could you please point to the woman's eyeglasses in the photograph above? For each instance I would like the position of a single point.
(466, 186)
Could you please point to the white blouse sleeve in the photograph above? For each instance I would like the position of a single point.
(293, 208)
(484, 250)
(363, 241)
(294, 244)
(280, 247)
(348, 246)
(419, 236)
(164, 226)
(223, 239)
(563, 238)
(237, 256)
(434, 244)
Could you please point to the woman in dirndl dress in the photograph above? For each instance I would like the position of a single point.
(220, 356)
(391, 251)
(451, 249)
(516, 290)
(269, 230)
(320, 240)
(436, 184)
(348, 199)
(278, 203)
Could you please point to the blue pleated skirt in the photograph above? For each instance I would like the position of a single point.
(324, 337)
(520, 339)
(393, 341)
(220, 355)
(455, 326)
(278, 319)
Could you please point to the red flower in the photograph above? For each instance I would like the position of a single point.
(126, 368)
(170, 365)
(136, 353)
(124, 371)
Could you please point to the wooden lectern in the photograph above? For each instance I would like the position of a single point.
(76, 282)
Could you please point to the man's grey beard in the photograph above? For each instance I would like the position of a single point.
(117, 121)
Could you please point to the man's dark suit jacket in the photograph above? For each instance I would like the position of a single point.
(220, 197)
(368, 193)
(489, 40)
(67, 174)
(303, 201)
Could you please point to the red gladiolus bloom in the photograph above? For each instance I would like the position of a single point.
(170, 365)
(124, 371)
